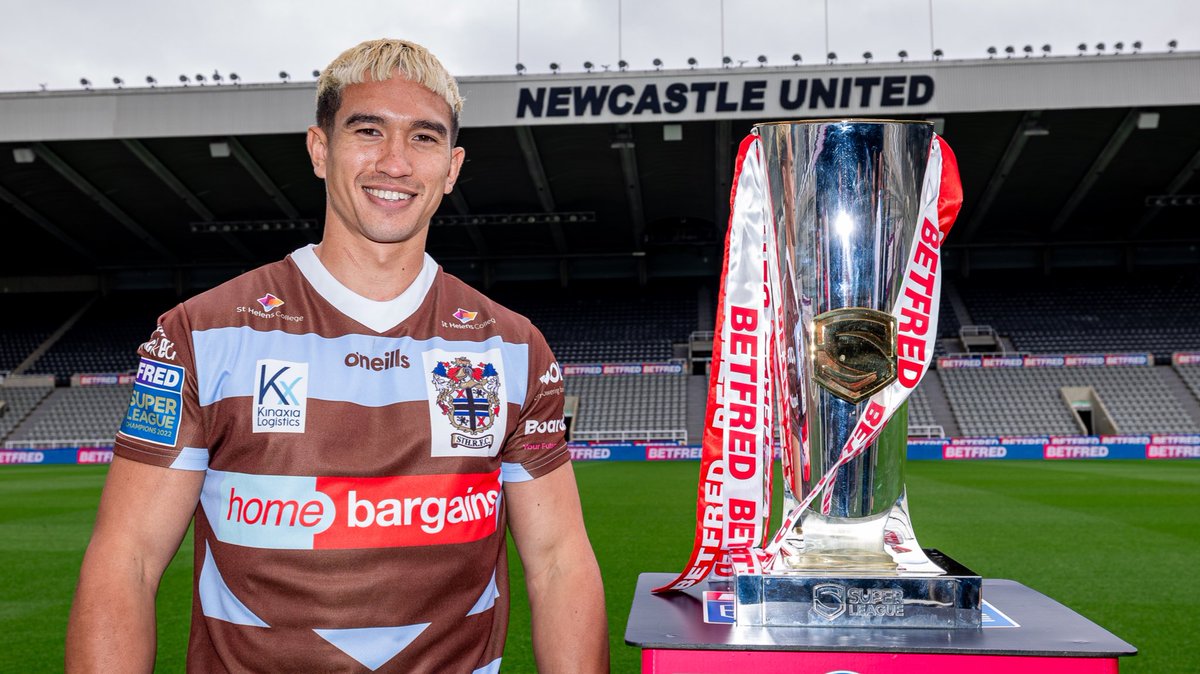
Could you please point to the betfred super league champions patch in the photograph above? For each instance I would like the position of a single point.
(156, 403)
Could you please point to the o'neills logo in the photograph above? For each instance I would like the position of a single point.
(322, 513)
(388, 361)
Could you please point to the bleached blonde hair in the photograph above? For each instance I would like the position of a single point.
(379, 60)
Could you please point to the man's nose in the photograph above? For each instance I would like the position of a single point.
(393, 158)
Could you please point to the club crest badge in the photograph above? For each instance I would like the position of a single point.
(468, 396)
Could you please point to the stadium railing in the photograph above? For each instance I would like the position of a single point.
(676, 435)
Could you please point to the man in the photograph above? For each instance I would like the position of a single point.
(356, 426)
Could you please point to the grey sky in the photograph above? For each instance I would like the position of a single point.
(56, 42)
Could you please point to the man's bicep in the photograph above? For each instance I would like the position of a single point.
(144, 512)
(545, 517)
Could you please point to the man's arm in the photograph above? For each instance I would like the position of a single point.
(570, 630)
(144, 513)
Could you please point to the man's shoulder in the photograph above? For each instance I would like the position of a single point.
(263, 289)
(472, 307)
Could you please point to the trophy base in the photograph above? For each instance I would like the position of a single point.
(829, 598)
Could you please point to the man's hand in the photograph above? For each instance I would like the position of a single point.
(144, 513)
(570, 630)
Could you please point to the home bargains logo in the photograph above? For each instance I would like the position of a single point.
(338, 513)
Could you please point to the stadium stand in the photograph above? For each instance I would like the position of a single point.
(1190, 374)
(106, 337)
(19, 402)
(30, 319)
(83, 414)
(1011, 401)
(1091, 314)
(610, 324)
(614, 407)
(921, 420)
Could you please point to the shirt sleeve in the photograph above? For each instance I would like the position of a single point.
(538, 444)
(162, 424)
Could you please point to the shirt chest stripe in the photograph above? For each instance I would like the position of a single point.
(360, 369)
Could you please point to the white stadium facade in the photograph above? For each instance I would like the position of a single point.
(1067, 162)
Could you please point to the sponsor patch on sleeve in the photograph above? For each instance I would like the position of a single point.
(156, 404)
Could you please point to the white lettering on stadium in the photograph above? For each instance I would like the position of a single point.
(982, 452)
(893, 91)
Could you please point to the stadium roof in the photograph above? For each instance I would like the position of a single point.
(601, 175)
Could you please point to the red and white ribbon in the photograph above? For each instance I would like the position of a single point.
(749, 368)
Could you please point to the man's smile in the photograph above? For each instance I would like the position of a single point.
(388, 195)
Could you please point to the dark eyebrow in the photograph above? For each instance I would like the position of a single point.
(363, 118)
(430, 125)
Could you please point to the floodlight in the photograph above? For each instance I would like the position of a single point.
(867, 56)
(1045, 50)
(216, 77)
(1028, 49)
(520, 68)
(623, 65)
(991, 52)
(283, 75)
(762, 60)
(119, 82)
(150, 80)
(1119, 46)
(725, 61)
(233, 77)
(937, 54)
(316, 74)
(692, 62)
(658, 64)
(85, 83)
(796, 59)
(903, 54)
(554, 68)
(1009, 51)
(831, 57)
(588, 65)
(1137, 45)
(184, 79)
(1172, 45)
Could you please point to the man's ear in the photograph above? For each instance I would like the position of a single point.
(318, 149)
(457, 155)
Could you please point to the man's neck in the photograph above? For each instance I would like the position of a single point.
(376, 271)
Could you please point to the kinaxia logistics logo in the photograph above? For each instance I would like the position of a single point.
(280, 396)
(314, 513)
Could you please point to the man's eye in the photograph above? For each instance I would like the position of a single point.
(367, 131)
(425, 138)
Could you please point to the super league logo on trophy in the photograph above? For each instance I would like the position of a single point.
(827, 321)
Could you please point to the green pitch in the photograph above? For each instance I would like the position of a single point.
(1118, 541)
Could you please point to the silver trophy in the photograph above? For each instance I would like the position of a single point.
(844, 199)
